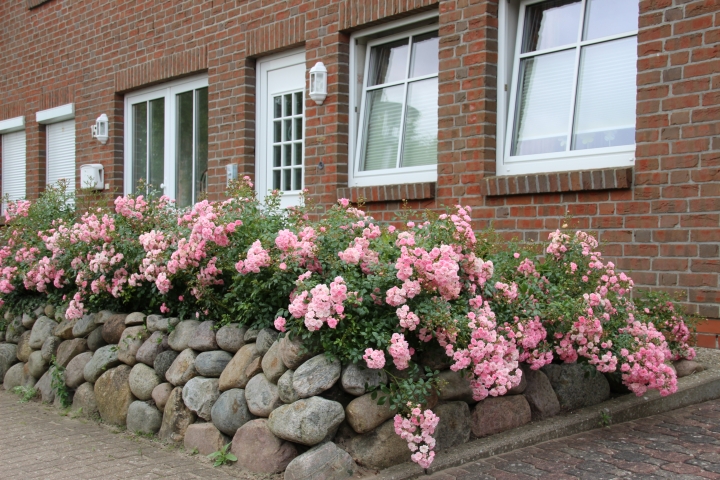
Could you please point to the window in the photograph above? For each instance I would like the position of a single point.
(12, 135)
(60, 139)
(395, 103)
(572, 85)
(166, 139)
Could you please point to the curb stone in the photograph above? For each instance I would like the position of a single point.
(696, 388)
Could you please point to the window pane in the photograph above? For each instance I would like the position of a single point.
(298, 154)
(388, 63)
(551, 24)
(424, 59)
(184, 150)
(544, 103)
(421, 124)
(157, 142)
(201, 142)
(297, 179)
(276, 179)
(298, 128)
(277, 126)
(605, 111)
(288, 130)
(288, 105)
(287, 186)
(287, 154)
(277, 107)
(277, 152)
(382, 126)
(139, 147)
(610, 17)
(298, 103)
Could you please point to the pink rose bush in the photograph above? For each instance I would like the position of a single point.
(363, 291)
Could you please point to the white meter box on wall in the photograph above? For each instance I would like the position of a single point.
(92, 176)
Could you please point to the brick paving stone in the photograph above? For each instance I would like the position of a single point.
(680, 445)
(36, 442)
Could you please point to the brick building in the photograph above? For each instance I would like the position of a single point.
(607, 110)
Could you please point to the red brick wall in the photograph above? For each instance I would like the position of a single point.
(660, 221)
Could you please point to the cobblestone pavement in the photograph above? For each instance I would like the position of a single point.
(682, 444)
(36, 442)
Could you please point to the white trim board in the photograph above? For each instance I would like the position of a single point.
(56, 114)
(12, 125)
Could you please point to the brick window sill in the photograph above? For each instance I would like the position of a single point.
(35, 3)
(389, 193)
(558, 182)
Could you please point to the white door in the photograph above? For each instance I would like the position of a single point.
(61, 153)
(280, 149)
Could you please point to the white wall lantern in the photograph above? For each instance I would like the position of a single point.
(318, 83)
(100, 129)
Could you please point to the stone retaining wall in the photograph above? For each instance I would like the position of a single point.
(283, 409)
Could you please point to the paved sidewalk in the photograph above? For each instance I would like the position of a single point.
(682, 444)
(36, 442)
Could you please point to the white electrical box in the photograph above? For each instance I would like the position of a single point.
(231, 172)
(92, 176)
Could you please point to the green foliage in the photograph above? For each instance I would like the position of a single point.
(605, 418)
(25, 393)
(57, 376)
(411, 389)
(222, 456)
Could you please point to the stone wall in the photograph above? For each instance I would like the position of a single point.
(282, 407)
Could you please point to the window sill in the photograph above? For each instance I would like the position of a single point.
(389, 193)
(558, 182)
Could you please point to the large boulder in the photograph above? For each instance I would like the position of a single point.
(41, 330)
(149, 350)
(272, 364)
(497, 414)
(95, 340)
(266, 337)
(182, 369)
(69, 349)
(180, 337)
(200, 394)
(131, 340)
(14, 330)
(75, 370)
(258, 450)
(203, 339)
(163, 362)
(113, 327)
(50, 347)
(8, 357)
(293, 352)
(44, 388)
(143, 381)
(316, 375)
(161, 393)
(36, 365)
(324, 462)
(230, 411)
(212, 364)
(380, 448)
(453, 429)
(234, 375)
(157, 323)
(577, 385)
(251, 335)
(23, 347)
(540, 395)
(135, 318)
(285, 388)
(28, 320)
(231, 338)
(143, 418)
(308, 421)
(113, 395)
(355, 377)
(683, 367)
(262, 396)
(103, 359)
(455, 386)
(18, 376)
(204, 438)
(176, 418)
(84, 400)
(364, 414)
(84, 326)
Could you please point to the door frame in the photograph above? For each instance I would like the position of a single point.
(263, 67)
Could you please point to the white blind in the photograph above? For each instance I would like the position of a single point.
(61, 153)
(13, 165)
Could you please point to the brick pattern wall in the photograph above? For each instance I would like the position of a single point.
(660, 221)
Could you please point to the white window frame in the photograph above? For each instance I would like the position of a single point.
(359, 63)
(511, 15)
(7, 127)
(168, 91)
(58, 114)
